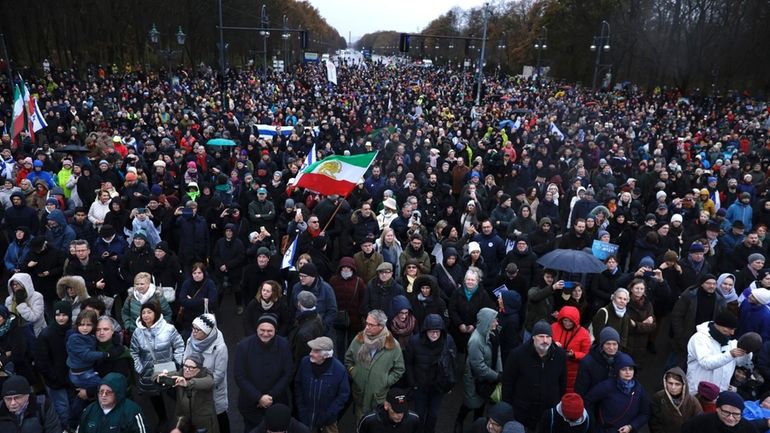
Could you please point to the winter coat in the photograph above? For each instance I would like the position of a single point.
(136, 260)
(325, 304)
(457, 272)
(320, 399)
(526, 261)
(91, 272)
(501, 217)
(638, 311)
(125, 417)
(492, 249)
(533, 384)
(710, 361)
(683, 316)
(60, 236)
(378, 421)
(262, 369)
(710, 423)
(604, 285)
(50, 355)
(155, 345)
(370, 383)
(168, 272)
(196, 401)
(78, 283)
(539, 305)
(349, 293)
(480, 364)
(738, 211)
(49, 260)
(379, 295)
(666, 416)
(577, 340)
(509, 322)
(36, 419)
(367, 266)
(422, 355)
(215, 358)
(193, 300)
(308, 326)
(433, 304)
(614, 408)
(16, 254)
(754, 318)
(32, 309)
(607, 316)
(21, 216)
(193, 234)
(593, 369)
(132, 307)
(464, 311)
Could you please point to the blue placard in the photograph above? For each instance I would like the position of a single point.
(602, 250)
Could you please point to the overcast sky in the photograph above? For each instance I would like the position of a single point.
(366, 16)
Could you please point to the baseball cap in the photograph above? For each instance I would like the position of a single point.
(397, 400)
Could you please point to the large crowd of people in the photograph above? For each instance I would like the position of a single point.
(125, 231)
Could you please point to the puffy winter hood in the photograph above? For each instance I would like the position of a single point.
(75, 281)
(18, 194)
(119, 385)
(570, 313)
(400, 302)
(23, 279)
(432, 322)
(484, 319)
(426, 280)
(58, 217)
(451, 251)
(349, 262)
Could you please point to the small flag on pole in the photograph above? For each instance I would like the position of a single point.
(288, 256)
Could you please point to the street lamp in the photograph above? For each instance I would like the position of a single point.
(601, 43)
(481, 54)
(286, 35)
(167, 54)
(265, 34)
(541, 44)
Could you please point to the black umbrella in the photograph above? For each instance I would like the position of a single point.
(72, 148)
(572, 261)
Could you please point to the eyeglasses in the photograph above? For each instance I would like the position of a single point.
(313, 222)
(106, 392)
(373, 325)
(189, 367)
(728, 414)
(196, 329)
(385, 272)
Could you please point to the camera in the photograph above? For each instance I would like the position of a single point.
(416, 214)
(168, 381)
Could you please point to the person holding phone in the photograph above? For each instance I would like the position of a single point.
(194, 386)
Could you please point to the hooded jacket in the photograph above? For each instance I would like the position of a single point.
(60, 236)
(79, 284)
(577, 340)
(35, 419)
(668, 414)
(449, 278)
(422, 355)
(125, 417)
(349, 293)
(481, 363)
(18, 251)
(32, 308)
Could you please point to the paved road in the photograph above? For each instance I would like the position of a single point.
(650, 373)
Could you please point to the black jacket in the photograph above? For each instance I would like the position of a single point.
(593, 368)
(378, 421)
(532, 384)
(51, 355)
(710, 423)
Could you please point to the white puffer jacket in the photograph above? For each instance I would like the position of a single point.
(709, 361)
(33, 308)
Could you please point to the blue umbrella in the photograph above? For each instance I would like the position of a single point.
(572, 261)
(220, 142)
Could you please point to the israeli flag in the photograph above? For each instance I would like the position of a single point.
(555, 131)
(288, 256)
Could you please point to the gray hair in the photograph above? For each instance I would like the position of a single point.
(620, 290)
(475, 271)
(327, 353)
(379, 316)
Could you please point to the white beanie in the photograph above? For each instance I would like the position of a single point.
(761, 295)
(473, 246)
(676, 217)
(660, 194)
(205, 322)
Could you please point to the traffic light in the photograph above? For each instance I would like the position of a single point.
(403, 43)
(303, 39)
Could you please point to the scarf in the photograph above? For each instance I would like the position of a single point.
(619, 311)
(469, 293)
(265, 304)
(403, 328)
(201, 346)
(142, 298)
(718, 336)
(370, 347)
(626, 386)
(6, 326)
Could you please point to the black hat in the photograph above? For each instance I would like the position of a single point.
(163, 246)
(277, 417)
(16, 385)
(106, 231)
(62, 307)
(397, 400)
(268, 318)
(309, 269)
(36, 244)
(726, 319)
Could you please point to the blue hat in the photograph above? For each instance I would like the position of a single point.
(623, 360)
(37, 163)
(730, 398)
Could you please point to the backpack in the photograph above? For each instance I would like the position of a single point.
(445, 369)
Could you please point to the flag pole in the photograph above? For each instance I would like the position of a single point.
(339, 205)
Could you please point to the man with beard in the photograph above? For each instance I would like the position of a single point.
(263, 368)
(416, 251)
(373, 350)
(535, 376)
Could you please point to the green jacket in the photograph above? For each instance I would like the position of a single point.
(132, 308)
(371, 384)
(125, 417)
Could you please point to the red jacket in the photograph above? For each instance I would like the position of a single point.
(577, 340)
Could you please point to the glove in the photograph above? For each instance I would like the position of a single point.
(20, 296)
(115, 351)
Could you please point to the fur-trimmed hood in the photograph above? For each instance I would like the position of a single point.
(75, 281)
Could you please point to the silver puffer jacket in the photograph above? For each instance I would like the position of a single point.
(157, 344)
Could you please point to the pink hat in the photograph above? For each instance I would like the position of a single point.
(191, 164)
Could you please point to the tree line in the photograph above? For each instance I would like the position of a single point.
(706, 45)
